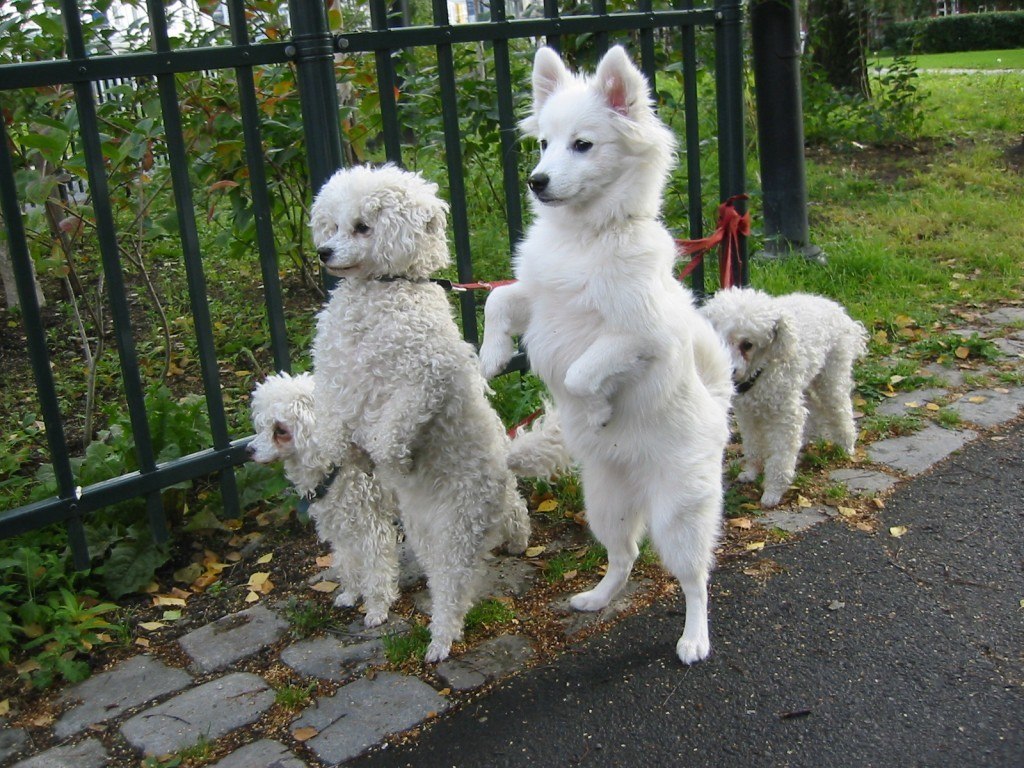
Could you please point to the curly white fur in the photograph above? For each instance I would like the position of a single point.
(792, 359)
(355, 515)
(640, 380)
(394, 376)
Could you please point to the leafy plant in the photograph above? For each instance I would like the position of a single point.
(488, 613)
(294, 697)
(570, 562)
(401, 648)
(307, 617)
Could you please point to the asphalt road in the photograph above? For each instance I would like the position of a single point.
(865, 650)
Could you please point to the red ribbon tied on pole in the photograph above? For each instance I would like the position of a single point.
(731, 224)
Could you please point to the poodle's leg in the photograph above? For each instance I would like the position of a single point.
(685, 527)
(784, 439)
(380, 567)
(615, 517)
(506, 314)
(390, 439)
(451, 583)
(832, 389)
(754, 448)
(515, 520)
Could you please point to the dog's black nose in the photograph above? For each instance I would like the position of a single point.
(324, 254)
(538, 182)
(251, 450)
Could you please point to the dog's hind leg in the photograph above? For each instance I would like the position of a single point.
(832, 389)
(516, 520)
(616, 520)
(685, 538)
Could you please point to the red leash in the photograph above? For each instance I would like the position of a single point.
(726, 235)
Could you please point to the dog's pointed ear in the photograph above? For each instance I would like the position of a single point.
(548, 74)
(620, 83)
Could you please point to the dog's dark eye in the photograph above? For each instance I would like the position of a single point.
(582, 145)
(361, 228)
(745, 346)
(543, 144)
(281, 432)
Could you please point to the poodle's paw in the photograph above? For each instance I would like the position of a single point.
(588, 601)
(438, 650)
(347, 598)
(375, 617)
(771, 497)
(692, 650)
(494, 356)
(748, 475)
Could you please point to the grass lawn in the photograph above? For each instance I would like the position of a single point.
(1010, 59)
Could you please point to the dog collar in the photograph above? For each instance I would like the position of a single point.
(306, 501)
(747, 383)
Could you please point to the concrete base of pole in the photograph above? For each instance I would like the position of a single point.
(782, 249)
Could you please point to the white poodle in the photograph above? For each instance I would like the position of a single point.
(351, 511)
(394, 376)
(792, 359)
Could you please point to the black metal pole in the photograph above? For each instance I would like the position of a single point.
(775, 35)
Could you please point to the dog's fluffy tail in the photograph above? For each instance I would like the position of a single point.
(539, 450)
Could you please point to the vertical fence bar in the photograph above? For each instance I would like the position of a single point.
(647, 59)
(39, 354)
(313, 50)
(729, 78)
(456, 177)
(92, 147)
(507, 131)
(194, 273)
(553, 39)
(258, 190)
(694, 185)
(600, 8)
(387, 86)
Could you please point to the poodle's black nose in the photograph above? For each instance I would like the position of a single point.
(251, 450)
(538, 182)
(325, 254)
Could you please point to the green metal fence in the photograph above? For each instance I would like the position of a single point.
(311, 48)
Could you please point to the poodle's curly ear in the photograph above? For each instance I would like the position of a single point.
(784, 346)
(301, 421)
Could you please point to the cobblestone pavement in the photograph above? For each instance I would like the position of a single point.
(154, 708)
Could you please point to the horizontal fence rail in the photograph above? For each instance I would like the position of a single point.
(311, 50)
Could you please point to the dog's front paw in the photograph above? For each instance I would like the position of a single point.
(748, 475)
(771, 497)
(375, 617)
(494, 355)
(692, 650)
(588, 601)
(347, 598)
(438, 650)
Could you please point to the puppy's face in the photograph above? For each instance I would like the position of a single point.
(282, 417)
(376, 222)
(749, 349)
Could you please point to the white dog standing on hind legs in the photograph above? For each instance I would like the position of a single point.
(792, 359)
(640, 380)
(394, 376)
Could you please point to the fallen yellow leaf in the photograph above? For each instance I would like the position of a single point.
(912, 404)
(168, 600)
(325, 586)
(897, 530)
(569, 575)
(548, 505)
(534, 551)
(976, 399)
(803, 501)
(325, 561)
(5, 707)
(754, 546)
(743, 523)
(932, 407)
(252, 597)
(152, 626)
(962, 352)
(305, 734)
(141, 641)
(265, 559)
(847, 511)
(256, 580)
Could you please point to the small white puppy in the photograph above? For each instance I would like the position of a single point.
(394, 376)
(351, 511)
(792, 359)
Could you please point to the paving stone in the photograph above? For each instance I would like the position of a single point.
(12, 741)
(329, 658)
(110, 694)
(488, 661)
(863, 481)
(1010, 347)
(362, 713)
(915, 453)
(575, 621)
(1006, 316)
(951, 377)
(261, 754)
(898, 405)
(358, 632)
(85, 754)
(232, 638)
(794, 520)
(208, 711)
(994, 407)
(507, 577)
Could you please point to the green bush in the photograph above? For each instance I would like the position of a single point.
(962, 32)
